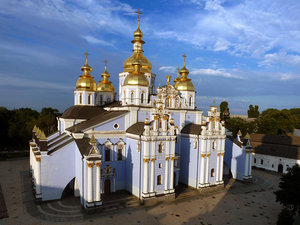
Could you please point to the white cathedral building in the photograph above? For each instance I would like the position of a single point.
(146, 143)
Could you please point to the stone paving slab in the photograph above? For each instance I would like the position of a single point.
(238, 203)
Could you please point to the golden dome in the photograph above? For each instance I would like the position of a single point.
(184, 83)
(146, 64)
(105, 84)
(86, 82)
(137, 51)
(136, 77)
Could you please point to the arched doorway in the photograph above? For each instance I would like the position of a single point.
(280, 168)
(69, 189)
(107, 186)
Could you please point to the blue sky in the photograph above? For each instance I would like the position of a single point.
(243, 52)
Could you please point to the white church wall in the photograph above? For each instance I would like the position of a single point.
(273, 163)
(57, 170)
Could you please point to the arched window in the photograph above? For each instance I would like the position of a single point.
(89, 99)
(212, 172)
(108, 100)
(142, 98)
(254, 160)
(190, 101)
(261, 162)
(80, 98)
(167, 102)
(160, 148)
(132, 97)
(107, 154)
(120, 154)
(159, 123)
(159, 180)
(101, 99)
(180, 104)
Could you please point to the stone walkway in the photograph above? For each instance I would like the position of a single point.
(239, 203)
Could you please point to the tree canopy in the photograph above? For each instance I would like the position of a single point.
(17, 125)
(253, 111)
(224, 111)
(289, 195)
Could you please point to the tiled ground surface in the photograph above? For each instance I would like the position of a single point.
(240, 203)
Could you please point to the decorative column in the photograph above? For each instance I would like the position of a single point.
(202, 175)
(172, 174)
(218, 167)
(152, 176)
(221, 168)
(166, 173)
(207, 168)
(98, 182)
(250, 161)
(90, 182)
(37, 174)
(247, 164)
(145, 188)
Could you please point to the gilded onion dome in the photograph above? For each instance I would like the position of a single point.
(137, 76)
(86, 82)
(138, 42)
(184, 83)
(105, 84)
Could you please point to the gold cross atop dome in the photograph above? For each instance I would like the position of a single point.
(139, 13)
(105, 63)
(86, 57)
(184, 56)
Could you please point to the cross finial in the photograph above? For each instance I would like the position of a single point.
(105, 61)
(139, 13)
(86, 57)
(184, 56)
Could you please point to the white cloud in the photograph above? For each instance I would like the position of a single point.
(288, 76)
(281, 57)
(94, 40)
(221, 45)
(168, 69)
(217, 72)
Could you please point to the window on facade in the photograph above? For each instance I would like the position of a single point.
(131, 97)
(160, 165)
(160, 148)
(261, 162)
(80, 98)
(101, 100)
(214, 145)
(142, 98)
(254, 160)
(212, 172)
(159, 123)
(120, 154)
(107, 154)
(190, 101)
(167, 102)
(89, 99)
(272, 165)
(180, 104)
(159, 180)
(108, 100)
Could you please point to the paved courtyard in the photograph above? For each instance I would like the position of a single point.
(239, 203)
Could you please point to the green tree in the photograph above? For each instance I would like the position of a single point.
(285, 217)
(253, 111)
(224, 111)
(274, 121)
(47, 120)
(289, 190)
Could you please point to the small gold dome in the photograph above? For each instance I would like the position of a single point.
(136, 77)
(86, 82)
(186, 85)
(105, 85)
